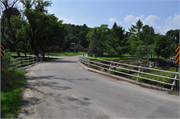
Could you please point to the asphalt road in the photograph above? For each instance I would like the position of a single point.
(63, 89)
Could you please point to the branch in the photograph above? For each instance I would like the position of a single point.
(6, 38)
(14, 3)
(2, 29)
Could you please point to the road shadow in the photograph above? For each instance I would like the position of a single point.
(75, 79)
(61, 61)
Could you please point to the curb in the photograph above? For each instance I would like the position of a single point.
(124, 79)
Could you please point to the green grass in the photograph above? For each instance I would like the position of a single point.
(11, 93)
(53, 54)
(66, 54)
(125, 57)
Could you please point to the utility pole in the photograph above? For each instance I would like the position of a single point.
(177, 63)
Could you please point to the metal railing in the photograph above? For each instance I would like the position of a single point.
(24, 61)
(88, 62)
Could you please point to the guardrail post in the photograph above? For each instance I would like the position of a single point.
(88, 61)
(36, 59)
(83, 60)
(28, 60)
(138, 73)
(174, 81)
(33, 59)
(110, 67)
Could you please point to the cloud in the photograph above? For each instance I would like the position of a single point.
(150, 20)
(131, 18)
(170, 23)
(112, 19)
(67, 19)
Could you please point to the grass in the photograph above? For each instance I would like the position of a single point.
(12, 85)
(66, 54)
(125, 57)
(53, 54)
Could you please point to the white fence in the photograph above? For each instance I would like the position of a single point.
(17, 62)
(87, 62)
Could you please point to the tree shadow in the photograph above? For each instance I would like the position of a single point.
(61, 61)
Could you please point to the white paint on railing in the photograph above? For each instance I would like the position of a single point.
(30, 60)
(82, 60)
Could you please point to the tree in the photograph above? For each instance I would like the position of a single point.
(117, 40)
(102, 32)
(173, 35)
(161, 46)
(6, 24)
(94, 44)
(135, 36)
(53, 31)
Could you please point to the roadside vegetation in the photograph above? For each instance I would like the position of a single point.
(12, 87)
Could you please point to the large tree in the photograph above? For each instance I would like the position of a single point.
(173, 35)
(162, 46)
(117, 40)
(44, 30)
(7, 30)
(94, 47)
(102, 32)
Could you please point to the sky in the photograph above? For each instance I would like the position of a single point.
(162, 15)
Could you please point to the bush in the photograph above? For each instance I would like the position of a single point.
(6, 61)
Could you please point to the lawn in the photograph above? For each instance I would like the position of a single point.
(53, 54)
(125, 57)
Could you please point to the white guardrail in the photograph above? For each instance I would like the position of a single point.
(17, 62)
(87, 62)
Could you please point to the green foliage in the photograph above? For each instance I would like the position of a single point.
(6, 60)
(117, 41)
(162, 46)
(76, 49)
(94, 47)
(76, 34)
(12, 85)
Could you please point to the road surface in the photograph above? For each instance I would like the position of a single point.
(63, 89)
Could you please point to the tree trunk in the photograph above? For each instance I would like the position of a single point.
(151, 55)
(120, 55)
(157, 61)
(148, 59)
(43, 55)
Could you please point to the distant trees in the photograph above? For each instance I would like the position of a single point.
(76, 34)
(34, 30)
